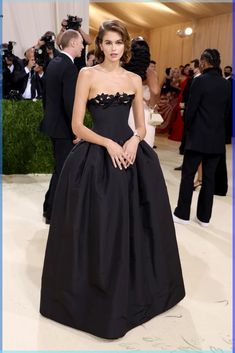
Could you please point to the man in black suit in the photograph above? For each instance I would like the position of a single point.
(205, 137)
(22, 78)
(58, 96)
(194, 71)
(228, 70)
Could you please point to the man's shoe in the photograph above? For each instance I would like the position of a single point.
(178, 168)
(46, 220)
(179, 220)
(202, 224)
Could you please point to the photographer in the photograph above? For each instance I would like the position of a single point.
(74, 22)
(37, 81)
(90, 58)
(22, 78)
(46, 44)
(10, 64)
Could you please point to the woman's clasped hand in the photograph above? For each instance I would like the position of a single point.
(123, 156)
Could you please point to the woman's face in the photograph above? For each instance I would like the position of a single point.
(186, 70)
(112, 46)
(176, 73)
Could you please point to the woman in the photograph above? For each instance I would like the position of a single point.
(111, 260)
(177, 126)
(140, 64)
(169, 99)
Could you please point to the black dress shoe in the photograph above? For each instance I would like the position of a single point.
(178, 168)
(47, 221)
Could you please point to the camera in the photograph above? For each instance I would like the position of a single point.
(73, 22)
(7, 51)
(14, 95)
(39, 57)
(49, 41)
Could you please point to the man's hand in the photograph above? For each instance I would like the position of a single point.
(64, 23)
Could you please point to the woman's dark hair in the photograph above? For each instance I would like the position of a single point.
(113, 26)
(184, 67)
(195, 62)
(91, 52)
(168, 71)
(140, 57)
(212, 56)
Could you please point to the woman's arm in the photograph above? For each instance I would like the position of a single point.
(85, 36)
(153, 84)
(138, 108)
(79, 110)
(130, 147)
(62, 30)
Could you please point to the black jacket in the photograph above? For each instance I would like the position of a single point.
(58, 96)
(207, 107)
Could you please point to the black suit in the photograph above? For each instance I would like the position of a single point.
(21, 77)
(36, 85)
(58, 96)
(207, 107)
(229, 117)
(185, 98)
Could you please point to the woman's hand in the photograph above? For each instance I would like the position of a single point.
(76, 140)
(117, 154)
(130, 149)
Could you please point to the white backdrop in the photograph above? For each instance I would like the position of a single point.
(25, 21)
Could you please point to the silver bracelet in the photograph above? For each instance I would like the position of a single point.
(137, 135)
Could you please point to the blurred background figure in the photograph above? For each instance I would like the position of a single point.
(90, 58)
(10, 64)
(22, 78)
(228, 71)
(141, 64)
(205, 137)
(45, 49)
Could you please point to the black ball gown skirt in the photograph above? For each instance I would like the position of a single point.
(111, 259)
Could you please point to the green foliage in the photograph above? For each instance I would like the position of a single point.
(25, 148)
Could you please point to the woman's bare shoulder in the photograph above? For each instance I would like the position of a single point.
(136, 79)
(89, 71)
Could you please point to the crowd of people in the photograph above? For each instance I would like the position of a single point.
(175, 90)
(23, 78)
(112, 260)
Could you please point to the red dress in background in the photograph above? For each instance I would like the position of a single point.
(176, 131)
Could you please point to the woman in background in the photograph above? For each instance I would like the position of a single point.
(140, 64)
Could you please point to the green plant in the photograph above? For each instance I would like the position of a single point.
(25, 148)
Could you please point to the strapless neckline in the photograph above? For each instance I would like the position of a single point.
(107, 96)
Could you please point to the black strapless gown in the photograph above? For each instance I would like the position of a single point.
(111, 260)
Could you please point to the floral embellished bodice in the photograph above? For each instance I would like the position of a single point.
(110, 114)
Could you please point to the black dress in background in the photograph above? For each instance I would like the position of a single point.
(111, 260)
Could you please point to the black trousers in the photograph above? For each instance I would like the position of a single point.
(191, 161)
(61, 149)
